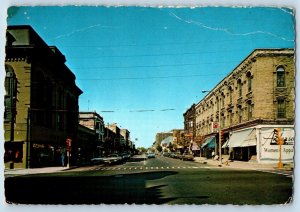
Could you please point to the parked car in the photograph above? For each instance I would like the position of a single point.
(166, 154)
(150, 155)
(112, 159)
(97, 160)
(125, 156)
(187, 156)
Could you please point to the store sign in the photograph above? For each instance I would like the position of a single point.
(269, 149)
(214, 126)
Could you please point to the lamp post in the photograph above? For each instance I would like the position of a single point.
(219, 114)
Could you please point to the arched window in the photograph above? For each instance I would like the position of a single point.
(280, 77)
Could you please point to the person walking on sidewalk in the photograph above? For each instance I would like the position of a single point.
(62, 159)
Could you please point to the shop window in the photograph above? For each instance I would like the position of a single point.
(280, 77)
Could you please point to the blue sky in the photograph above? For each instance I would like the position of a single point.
(142, 67)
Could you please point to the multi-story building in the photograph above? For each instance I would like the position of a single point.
(41, 101)
(125, 140)
(113, 137)
(94, 121)
(248, 104)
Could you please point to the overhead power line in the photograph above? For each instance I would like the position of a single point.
(154, 66)
(147, 78)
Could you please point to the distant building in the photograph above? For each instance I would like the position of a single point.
(41, 101)
(257, 97)
(94, 121)
(125, 140)
(161, 136)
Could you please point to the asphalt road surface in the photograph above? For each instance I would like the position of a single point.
(157, 180)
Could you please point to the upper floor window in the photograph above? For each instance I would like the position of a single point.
(240, 88)
(10, 98)
(250, 107)
(230, 94)
(280, 77)
(240, 111)
(249, 79)
(281, 108)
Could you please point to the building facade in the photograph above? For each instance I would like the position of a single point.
(41, 101)
(95, 122)
(248, 104)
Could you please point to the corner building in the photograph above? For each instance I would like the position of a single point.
(249, 103)
(41, 102)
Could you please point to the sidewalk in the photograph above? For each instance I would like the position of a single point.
(250, 165)
(14, 172)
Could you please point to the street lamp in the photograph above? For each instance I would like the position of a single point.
(220, 145)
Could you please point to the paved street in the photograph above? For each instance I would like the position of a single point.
(151, 181)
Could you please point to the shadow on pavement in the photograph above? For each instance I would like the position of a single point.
(114, 189)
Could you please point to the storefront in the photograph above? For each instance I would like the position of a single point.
(268, 149)
(259, 144)
(208, 147)
(242, 144)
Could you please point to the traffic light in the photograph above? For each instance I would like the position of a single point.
(222, 137)
(277, 135)
(68, 144)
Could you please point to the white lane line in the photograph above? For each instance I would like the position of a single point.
(168, 167)
(184, 167)
(151, 168)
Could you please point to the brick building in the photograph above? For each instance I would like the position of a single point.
(256, 97)
(41, 101)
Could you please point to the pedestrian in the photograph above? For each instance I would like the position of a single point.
(213, 154)
(62, 159)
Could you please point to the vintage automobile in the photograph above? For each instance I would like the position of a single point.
(150, 155)
(187, 156)
(112, 159)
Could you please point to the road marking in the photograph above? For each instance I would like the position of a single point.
(156, 167)
(151, 167)
(173, 167)
(162, 167)
(184, 167)
(141, 167)
(168, 167)
(135, 168)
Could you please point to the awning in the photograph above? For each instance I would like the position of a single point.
(209, 143)
(242, 139)
(225, 144)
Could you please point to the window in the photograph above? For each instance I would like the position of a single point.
(250, 107)
(281, 108)
(280, 77)
(10, 98)
(230, 94)
(240, 88)
(249, 79)
(240, 115)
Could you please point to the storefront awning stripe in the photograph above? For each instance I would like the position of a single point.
(209, 142)
(238, 138)
(250, 140)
